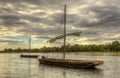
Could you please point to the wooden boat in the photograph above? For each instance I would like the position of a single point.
(29, 56)
(68, 62)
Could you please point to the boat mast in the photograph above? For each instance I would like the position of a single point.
(29, 43)
(29, 55)
(64, 31)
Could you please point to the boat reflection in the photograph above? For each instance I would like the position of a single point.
(61, 72)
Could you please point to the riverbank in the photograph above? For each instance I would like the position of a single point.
(82, 53)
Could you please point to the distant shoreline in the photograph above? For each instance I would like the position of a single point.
(82, 53)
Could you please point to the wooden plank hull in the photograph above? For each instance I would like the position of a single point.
(70, 63)
(29, 56)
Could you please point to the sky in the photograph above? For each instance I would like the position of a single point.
(97, 20)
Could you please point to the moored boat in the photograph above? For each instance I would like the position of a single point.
(29, 56)
(70, 63)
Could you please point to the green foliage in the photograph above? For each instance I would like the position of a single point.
(114, 46)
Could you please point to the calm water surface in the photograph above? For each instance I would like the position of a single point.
(12, 66)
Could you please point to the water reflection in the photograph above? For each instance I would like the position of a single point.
(12, 66)
(60, 72)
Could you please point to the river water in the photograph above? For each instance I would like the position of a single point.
(12, 66)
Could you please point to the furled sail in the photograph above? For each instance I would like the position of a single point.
(62, 36)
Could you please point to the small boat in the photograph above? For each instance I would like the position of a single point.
(29, 56)
(68, 62)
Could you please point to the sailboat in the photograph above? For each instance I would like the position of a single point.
(68, 62)
(29, 55)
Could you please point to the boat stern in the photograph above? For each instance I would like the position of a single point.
(98, 62)
(42, 60)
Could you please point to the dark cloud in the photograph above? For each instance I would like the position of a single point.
(9, 17)
(59, 18)
(106, 15)
(11, 42)
(40, 31)
(14, 23)
(109, 16)
(10, 20)
(43, 37)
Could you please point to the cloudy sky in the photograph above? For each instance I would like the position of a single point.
(98, 20)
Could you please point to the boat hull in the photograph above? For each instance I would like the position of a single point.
(70, 63)
(29, 56)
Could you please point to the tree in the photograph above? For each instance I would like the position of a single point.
(115, 46)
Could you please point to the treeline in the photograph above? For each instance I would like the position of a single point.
(110, 47)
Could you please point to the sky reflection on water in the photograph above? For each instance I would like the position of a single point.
(12, 66)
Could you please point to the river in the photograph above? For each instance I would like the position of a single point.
(12, 66)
